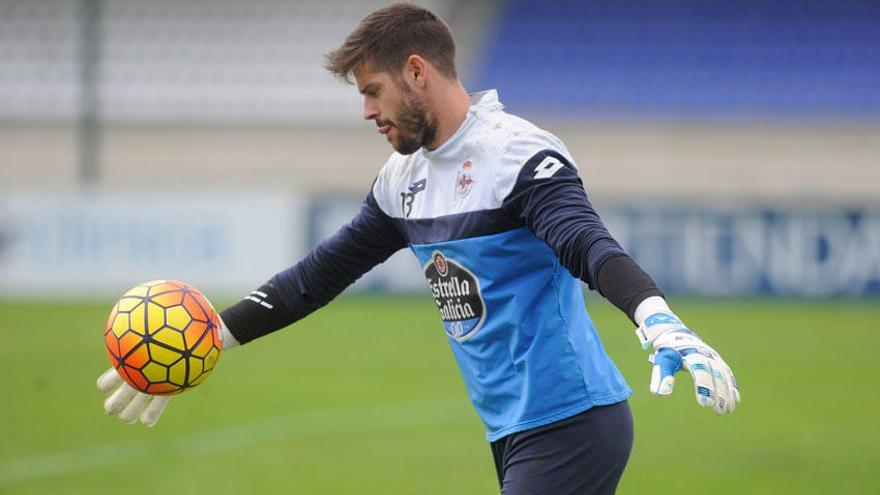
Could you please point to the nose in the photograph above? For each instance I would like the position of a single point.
(370, 111)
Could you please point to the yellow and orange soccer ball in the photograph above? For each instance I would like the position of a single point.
(163, 337)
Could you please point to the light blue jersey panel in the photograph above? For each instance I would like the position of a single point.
(517, 325)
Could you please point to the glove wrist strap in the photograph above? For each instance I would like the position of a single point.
(649, 306)
(654, 318)
(229, 340)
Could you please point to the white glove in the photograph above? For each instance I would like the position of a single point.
(676, 347)
(129, 405)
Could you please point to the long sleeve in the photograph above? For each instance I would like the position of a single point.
(549, 198)
(369, 239)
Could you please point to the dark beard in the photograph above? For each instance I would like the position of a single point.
(416, 128)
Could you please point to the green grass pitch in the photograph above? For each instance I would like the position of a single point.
(364, 397)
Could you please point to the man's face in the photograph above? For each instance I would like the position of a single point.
(400, 112)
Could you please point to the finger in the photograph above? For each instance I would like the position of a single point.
(701, 373)
(119, 399)
(723, 395)
(730, 382)
(109, 380)
(733, 387)
(731, 391)
(135, 408)
(660, 384)
(154, 410)
(667, 363)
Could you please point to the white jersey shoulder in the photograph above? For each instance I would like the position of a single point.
(519, 141)
(474, 170)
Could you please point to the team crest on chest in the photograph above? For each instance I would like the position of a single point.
(464, 181)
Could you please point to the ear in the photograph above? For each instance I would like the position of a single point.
(416, 71)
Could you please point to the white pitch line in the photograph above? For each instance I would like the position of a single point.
(293, 426)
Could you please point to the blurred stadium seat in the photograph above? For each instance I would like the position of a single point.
(190, 61)
(231, 60)
(673, 59)
(39, 69)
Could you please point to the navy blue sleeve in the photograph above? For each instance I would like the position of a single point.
(549, 198)
(369, 239)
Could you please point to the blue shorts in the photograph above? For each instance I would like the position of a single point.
(583, 454)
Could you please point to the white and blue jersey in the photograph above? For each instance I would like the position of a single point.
(501, 226)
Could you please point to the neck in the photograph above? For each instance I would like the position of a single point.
(450, 103)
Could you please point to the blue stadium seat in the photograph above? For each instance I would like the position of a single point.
(683, 59)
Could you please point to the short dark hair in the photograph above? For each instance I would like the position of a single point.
(388, 36)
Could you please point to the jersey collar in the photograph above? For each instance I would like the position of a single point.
(481, 102)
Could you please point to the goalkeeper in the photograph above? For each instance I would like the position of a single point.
(497, 216)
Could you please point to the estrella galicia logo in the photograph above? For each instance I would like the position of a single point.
(457, 293)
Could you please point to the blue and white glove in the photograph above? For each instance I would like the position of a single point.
(676, 347)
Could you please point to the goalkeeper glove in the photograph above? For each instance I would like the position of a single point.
(676, 347)
(130, 405)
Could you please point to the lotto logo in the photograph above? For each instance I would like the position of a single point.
(547, 168)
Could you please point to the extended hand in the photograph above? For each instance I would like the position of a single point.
(128, 404)
(676, 347)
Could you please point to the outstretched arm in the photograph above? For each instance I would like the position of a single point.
(369, 239)
(549, 198)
